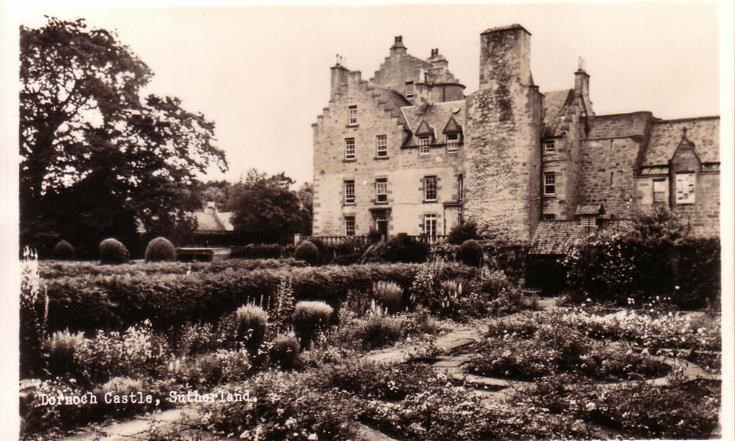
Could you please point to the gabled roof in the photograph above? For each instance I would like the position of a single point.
(435, 115)
(452, 126)
(558, 237)
(393, 101)
(704, 133)
(554, 104)
(425, 129)
(621, 125)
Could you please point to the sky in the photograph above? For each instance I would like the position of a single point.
(262, 73)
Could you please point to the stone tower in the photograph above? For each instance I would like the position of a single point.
(504, 121)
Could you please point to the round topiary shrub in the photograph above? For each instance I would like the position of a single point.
(309, 318)
(112, 251)
(250, 325)
(160, 249)
(63, 250)
(285, 351)
(463, 232)
(470, 253)
(307, 252)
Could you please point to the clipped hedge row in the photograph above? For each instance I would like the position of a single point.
(114, 301)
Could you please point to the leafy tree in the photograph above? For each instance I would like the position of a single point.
(265, 208)
(97, 159)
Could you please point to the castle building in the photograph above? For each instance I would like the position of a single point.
(408, 152)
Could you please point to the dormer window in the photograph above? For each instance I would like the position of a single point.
(410, 90)
(424, 145)
(452, 142)
(352, 116)
(549, 146)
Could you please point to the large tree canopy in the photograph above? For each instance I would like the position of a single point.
(267, 210)
(97, 158)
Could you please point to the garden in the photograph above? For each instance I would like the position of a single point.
(410, 342)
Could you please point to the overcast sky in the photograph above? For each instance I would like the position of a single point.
(262, 74)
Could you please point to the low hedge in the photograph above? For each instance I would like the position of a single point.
(257, 251)
(114, 301)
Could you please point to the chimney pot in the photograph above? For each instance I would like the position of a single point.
(399, 39)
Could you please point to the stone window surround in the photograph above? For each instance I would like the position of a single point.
(349, 196)
(352, 115)
(549, 184)
(381, 146)
(350, 225)
(381, 190)
(431, 184)
(350, 149)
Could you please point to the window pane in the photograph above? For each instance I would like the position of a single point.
(430, 188)
(424, 145)
(685, 188)
(350, 148)
(349, 192)
(549, 183)
(381, 146)
(352, 115)
(381, 190)
(349, 226)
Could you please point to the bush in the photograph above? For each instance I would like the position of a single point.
(389, 294)
(378, 331)
(213, 368)
(257, 251)
(63, 250)
(196, 338)
(309, 318)
(285, 351)
(249, 324)
(113, 252)
(374, 236)
(61, 348)
(470, 253)
(160, 249)
(401, 248)
(463, 232)
(307, 252)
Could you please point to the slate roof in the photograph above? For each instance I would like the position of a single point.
(208, 220)
(666, 135)
(393, 101)
(619, 125)
(554, 103)
(437, 115)
(558, 236)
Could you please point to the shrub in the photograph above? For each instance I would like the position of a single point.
(63, 250)
(378, 330)
(374, 236)
(222, 366)
(196, 338)
(470, 253)
(283, 305)
(34, 309)
(463, 232)
(249, 324)
(113, 252)
(160, 249)
(61, 348)
(401, 248)
(257, 251)
(307, 252)
(389, 294)
(309, 318)
(285, 351)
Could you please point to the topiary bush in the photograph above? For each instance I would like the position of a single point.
(470, 253)
(307, 252)
(389, 294)
(248, 326)
(310, 317)
(160, 249)
(285, 351)
(463, 232)
(63, 250)
(113, 252)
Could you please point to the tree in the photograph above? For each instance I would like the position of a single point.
(265, 208)
(97, 159)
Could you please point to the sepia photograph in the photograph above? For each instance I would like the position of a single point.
(370, 221)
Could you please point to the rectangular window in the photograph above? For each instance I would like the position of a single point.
(424, 145)
(349, 149)
(452, 142)
(349, 192)
(460, 188)
(381, 146)
(659, 191)
(410, 91)
(549, 146)
(430, 188)
(381, 191)
(588, 221)
(550, 183)
(352, 116)
(349, 225)
(430, 225)
(685, 188)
